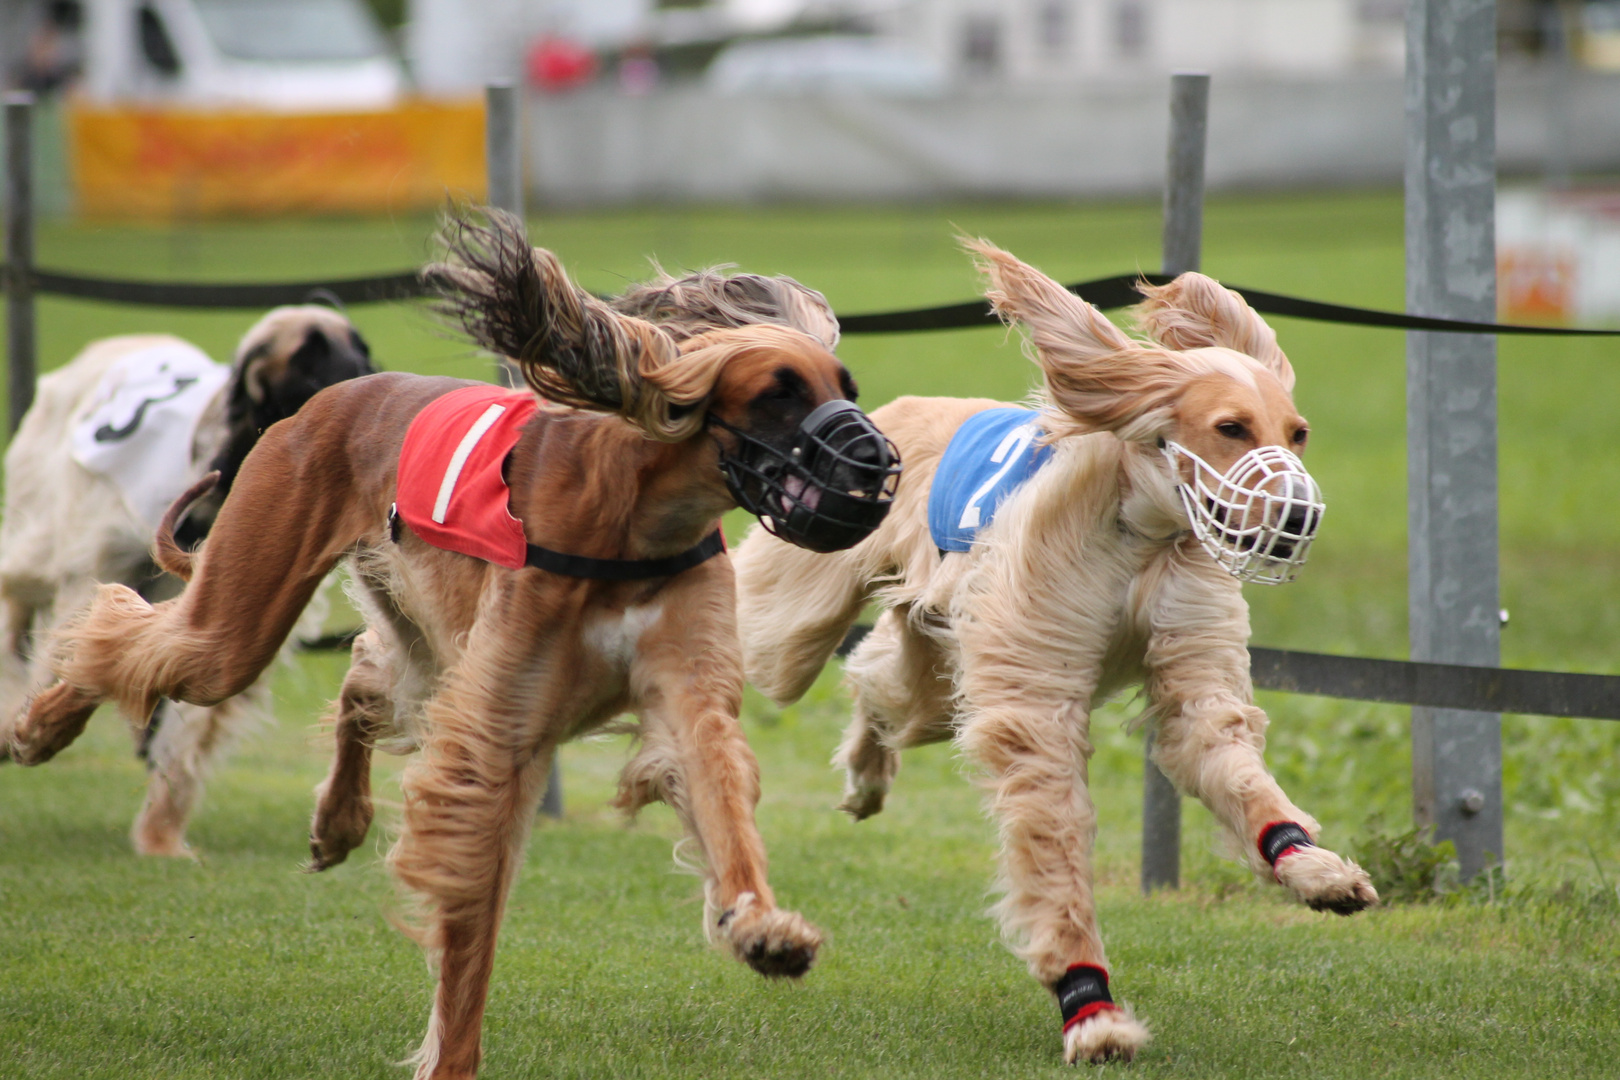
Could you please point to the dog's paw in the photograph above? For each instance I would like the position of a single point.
(340, 826)
(773, 942)
(1324, 881)
(862, 797)
(163, 845)
(54, 719)
(1105, 1035)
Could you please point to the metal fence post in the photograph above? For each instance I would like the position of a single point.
(20, 338)
(503, 173)
(1183, 245)
(1452, 596)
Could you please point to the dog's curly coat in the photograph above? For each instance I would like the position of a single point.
(486, 669)
(1087, 581)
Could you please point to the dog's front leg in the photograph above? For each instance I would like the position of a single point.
(1036, 751)
(1210, 739)
(470, 796)
(687, 683)
(343, 808)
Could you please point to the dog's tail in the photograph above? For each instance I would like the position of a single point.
(165, 552)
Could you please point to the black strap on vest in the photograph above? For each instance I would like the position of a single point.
(581, 566)
(1279, 838)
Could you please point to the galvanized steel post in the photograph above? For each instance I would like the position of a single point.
(20, 337)
(503, 174)
(1452, 595)
(503, 177)
(1182, 249)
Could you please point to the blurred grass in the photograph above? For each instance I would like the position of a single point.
(241, 967)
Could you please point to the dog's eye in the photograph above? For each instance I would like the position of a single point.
(1232, 429)
(1301, 435)
(789, 385)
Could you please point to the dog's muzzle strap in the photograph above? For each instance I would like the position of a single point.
(1082, 992)
(1281, 837)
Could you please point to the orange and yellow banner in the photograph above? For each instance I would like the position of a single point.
(176, 164)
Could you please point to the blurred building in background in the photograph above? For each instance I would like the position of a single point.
(649, 100)
(183, 109)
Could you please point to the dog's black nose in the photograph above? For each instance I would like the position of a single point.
(1300, 522)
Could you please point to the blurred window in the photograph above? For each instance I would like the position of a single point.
(1054, 24)
(1130, 28)
(981, 43)
(291, 29)
(156, 44)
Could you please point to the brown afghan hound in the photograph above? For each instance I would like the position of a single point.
(628, 464)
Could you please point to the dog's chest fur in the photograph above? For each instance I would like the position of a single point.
(614, 636)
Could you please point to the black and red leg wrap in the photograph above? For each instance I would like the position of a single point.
(1082, 992)
(1281, 837)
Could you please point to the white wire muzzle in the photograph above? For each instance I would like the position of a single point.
(1258, 518)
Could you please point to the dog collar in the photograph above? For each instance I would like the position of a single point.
(584, 566)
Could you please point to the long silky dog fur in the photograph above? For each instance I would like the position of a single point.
(1086, 582)
(482, 669)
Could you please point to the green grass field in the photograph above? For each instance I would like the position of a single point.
(238, 966)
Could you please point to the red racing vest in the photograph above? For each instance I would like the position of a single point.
(451, 492)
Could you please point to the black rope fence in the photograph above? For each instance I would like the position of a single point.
(1109, 292)
(1402, 682)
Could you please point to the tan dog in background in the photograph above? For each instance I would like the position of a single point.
(1086, 582)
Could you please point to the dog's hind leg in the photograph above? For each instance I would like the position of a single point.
(18, 615)
(290, 517)
(688, 686)
(1210, 738)
(365, 709)
(901, 685)
(793, 608)
(188, 740)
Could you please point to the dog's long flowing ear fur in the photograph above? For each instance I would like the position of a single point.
(516, 300)
(1196, 312)
(1097, 378)
(712, 300)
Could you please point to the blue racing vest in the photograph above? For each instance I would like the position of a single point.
(989, 457)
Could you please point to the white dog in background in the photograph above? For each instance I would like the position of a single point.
(113, 437)
(1059, 556)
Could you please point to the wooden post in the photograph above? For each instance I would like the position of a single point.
(1452, 594)
(1182, 250)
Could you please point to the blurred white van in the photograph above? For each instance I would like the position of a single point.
(282, 55)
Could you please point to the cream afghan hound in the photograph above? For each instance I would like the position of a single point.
(618, 598)
(112, 438)
(1088, 579)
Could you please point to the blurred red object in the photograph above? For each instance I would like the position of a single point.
(557, 64)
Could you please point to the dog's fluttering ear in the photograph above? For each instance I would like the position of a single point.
(712, 300)
(1097, 377)
(516, 300)
(1197, 312)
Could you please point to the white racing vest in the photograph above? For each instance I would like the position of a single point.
(138, 429)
